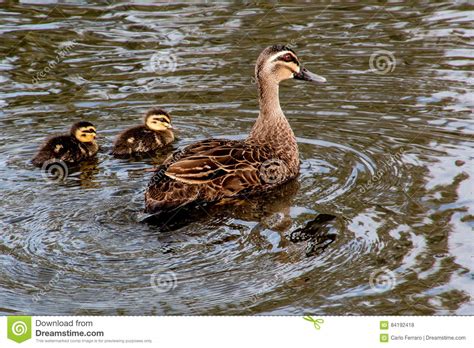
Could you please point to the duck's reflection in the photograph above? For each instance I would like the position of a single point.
(83, 174)
(317, 233)
(248, 208)
(270, 211)
(88, 171)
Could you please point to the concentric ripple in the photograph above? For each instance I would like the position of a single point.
(385, 149)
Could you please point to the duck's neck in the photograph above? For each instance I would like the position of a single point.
(269, 100)
(272, 127)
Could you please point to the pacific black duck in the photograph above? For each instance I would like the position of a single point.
(216, 169)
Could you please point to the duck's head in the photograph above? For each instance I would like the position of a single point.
(84, 132)
(278, 62)
(158, 120)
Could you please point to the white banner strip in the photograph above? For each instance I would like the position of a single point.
(226, 332)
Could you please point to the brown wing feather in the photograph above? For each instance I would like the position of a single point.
(214, 159)
(207, 171)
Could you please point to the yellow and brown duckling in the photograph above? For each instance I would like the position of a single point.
(155, 134)
(71, 148)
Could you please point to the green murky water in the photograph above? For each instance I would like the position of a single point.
(386, 146)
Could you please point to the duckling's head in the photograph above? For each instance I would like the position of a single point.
(84, 132)
(279, 62)
(158, 120)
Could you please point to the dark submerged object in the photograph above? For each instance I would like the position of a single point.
(317, 233)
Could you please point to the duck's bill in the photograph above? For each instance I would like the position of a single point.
(307, 75)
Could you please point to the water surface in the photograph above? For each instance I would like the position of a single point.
(386, 146)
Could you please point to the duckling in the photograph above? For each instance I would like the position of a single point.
(215, 169)
(156, 133)
(72, 148)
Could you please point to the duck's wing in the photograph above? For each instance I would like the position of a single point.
(207, 171)
(211, 159)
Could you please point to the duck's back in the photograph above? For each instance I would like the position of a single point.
(211, 170)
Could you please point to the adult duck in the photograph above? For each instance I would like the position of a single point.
(217, 169)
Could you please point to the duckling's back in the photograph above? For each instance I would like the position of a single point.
(61, 147)
(140, 140)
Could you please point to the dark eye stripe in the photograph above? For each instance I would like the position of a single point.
(292, 59)
(161, 119)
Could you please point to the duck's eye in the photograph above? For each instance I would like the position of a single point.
(287, 57)
(83, 135)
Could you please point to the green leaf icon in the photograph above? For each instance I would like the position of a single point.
(19, 328)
